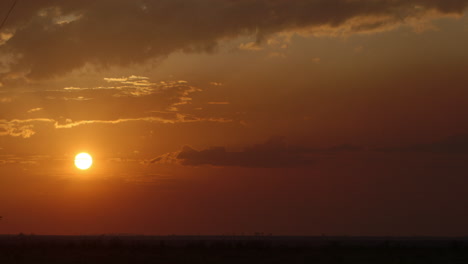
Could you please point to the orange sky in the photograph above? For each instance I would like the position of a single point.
(303, 117)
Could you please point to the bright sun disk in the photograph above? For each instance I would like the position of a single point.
(83, 161)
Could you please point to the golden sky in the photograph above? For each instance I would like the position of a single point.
(305, 117)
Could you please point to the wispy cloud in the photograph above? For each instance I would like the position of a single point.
(35, 110)
(165, 102)
(180, 118)
(25, 127)
(20, 127)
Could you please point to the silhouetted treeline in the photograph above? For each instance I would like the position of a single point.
(225, 249)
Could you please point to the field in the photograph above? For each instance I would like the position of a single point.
(227, 249)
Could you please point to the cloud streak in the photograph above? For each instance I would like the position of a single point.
(25, 127)
(50, 38)
(274, 153)
(125, 102)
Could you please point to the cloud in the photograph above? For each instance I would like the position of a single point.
(271, 154)
(179, 118)
(20, 128)
(35, 110)
(15, 130)
(105, 102)
(163, 102)
(274, 153)
(457, 144)
(137, 86)
(48, 38)
(251, 46)
(25, 127)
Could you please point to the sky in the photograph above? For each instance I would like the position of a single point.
(215, 117)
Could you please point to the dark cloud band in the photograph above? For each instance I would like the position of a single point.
(51, 37)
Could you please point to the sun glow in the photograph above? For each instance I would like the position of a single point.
(83, 161)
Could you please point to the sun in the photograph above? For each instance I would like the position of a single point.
(83, 161)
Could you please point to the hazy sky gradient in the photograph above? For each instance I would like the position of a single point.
(307, 117)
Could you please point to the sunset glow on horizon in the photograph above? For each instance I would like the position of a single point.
(302, 117)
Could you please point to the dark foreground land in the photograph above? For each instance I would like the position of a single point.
(227, 249)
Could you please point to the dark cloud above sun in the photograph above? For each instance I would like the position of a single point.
(45, 39)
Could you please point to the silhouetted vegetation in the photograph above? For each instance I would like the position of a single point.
(184, 249)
